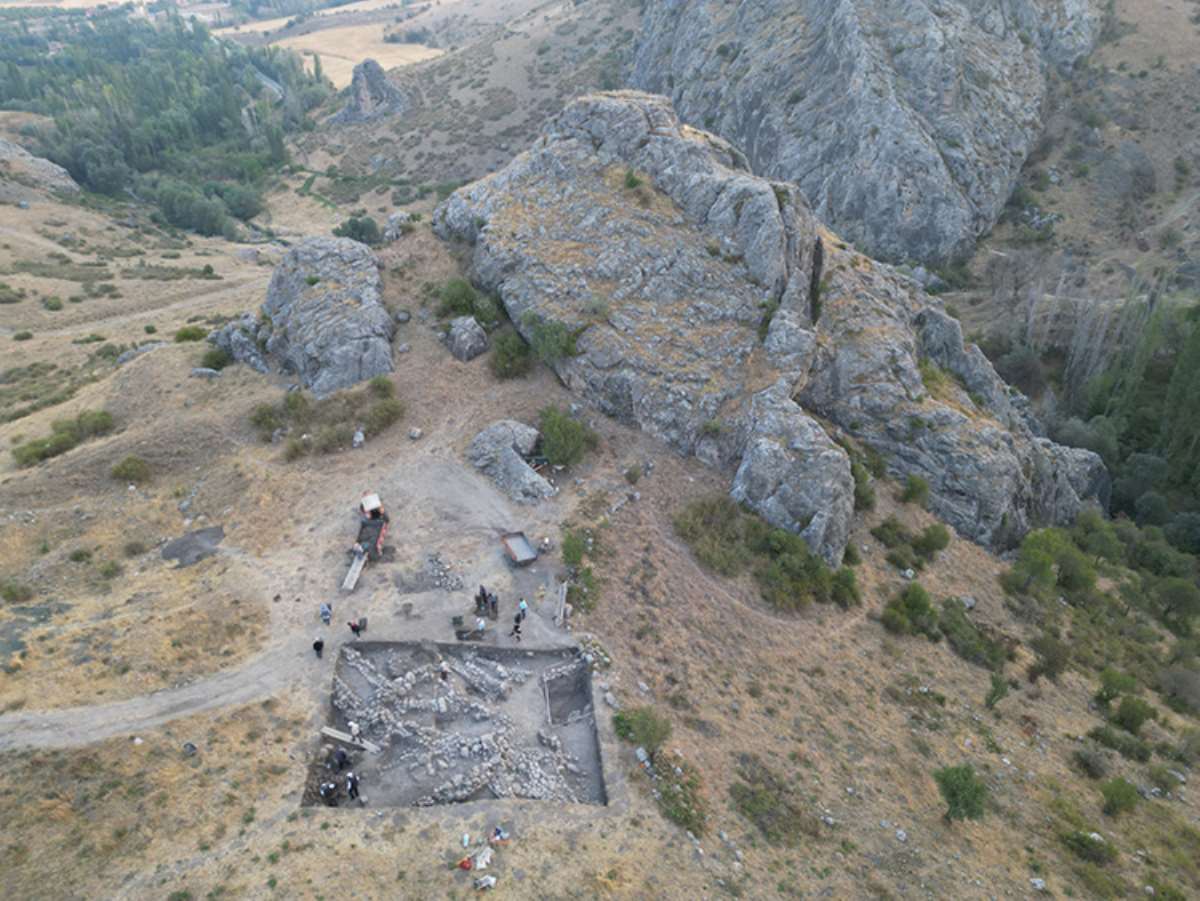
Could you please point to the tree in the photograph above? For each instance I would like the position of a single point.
(360, 228)
(564, 440)
(1178, 599)
(1184, 532)
(964, 792)
(1096, 536)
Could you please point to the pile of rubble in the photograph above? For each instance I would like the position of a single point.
(442, 574)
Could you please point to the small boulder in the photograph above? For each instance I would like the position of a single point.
(398, 225)
(203, 372)
(466, 338)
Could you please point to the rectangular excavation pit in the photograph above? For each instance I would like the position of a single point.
(503, 723)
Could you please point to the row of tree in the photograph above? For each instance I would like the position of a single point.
(163, 112)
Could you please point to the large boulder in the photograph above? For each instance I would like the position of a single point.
(500, 452)
(19, 165)
(712, 309)
(466, 338)
(906, 123)
(370, 96)
(322, 319)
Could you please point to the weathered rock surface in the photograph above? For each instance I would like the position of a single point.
(370, 96)
(398, 225)
(466, 338)
(499, 452)
(714, 311)
(19, 165)
(322, 319)
(905, 122)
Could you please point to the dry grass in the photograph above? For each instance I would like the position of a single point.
(341, 49)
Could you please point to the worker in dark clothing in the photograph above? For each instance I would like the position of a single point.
(340, 759)
(318, 647)
(516, 629)
(355, 627)
(352, 785)
(328, 793)
(494, 606)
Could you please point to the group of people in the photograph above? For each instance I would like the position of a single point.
(486, 602)
(330, 789)
(357, 626)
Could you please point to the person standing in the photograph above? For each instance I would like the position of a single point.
(352, 785)
(355, 627)
(523, 608)
(318, 647)
(516, 629)
(326, 613)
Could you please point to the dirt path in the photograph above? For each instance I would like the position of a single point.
(260, 677)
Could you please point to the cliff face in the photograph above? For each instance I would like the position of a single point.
(712, 309)
(905, 122)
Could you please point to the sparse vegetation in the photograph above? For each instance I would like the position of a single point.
(768, 801)
(363, 229)
(328, 425)
(458, 298)
(190, 333)
(916, 491)
(216, 358)
(643, 727)
(132, 469)
(65, 434)
(14, 592)
(911, 613)
(511, 356)
(1119, 796)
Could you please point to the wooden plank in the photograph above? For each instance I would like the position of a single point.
(354, 572)
(560, 613)
(347, 739)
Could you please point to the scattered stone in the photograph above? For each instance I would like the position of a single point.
(415, 434)
(403, 316)
(1039, 885)
(203, 372)
(404, 348)
(968, 602)
(611, 700)
(138, 351)
(901, 836)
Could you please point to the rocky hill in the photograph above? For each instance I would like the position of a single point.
(905, 123)
(709, 307)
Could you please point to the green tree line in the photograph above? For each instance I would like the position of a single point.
(159, 111)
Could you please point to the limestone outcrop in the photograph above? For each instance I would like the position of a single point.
(905, 122)
(713, 310)
(500, 453)
(19, 165)
(370, 96)
(322, 319)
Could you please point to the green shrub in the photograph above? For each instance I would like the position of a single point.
(997, 691)
(382, 387)
(294, 449)
(266, 419)
(573, 547)
(23, 335)
(1053, 658)
(1113, 684)
(1119, 796)
(1092, 762)
(360, 228)
(851, 556)
(149, 329)
(633, 474)
(15, 592)
(511, 356)
(53, 304)
(910, 612)
(845, 591)
(382, 414)
(916, 491)
(191, 333)
(65, 434)
(564, 440)
(110, 569)
(331, 438)
(644, 727)
(933, 539)
(215, 358)
(769, 802)
(904, 559)
(864, 492)
(134, 548)
(132, 469)
(550, 341)
(456, 298)
(680, 793)
(1127, 746)
(80, 555)
(964, 792)
(1133, 713)
(967, 639)
(632, 181)
(1085, 847)
(891, 533)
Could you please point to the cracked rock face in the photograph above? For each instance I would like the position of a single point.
(370, 96)
(322, 319)
(500, 451)
(905, 122)
(714, 311)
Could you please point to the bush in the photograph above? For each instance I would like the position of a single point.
(845, 591)
(891, 533)
(65, 434)
(1114, 684)
(1092, 762)
(15, 592)
(53, 304)
(573, 547)
(1053, 658)
(360, 228)
(23, 335)
(150, 329)
(933, 539)
(864, 492)
(511, 357)
(110, 569)
(680, 798)
(910, 612)
(967, 639)
(1127, 746)
(916, 491)
(564, 440)
(1133, 713)
(382, 387)
(132, 469)
(1085, 847)
(851, 556)
(904, 559)
(997, 691)
(382, 414)
(633, 474)
(550, 341)
(767, 801)
(134, 548)
(80, 555)
(215, 358)
(644, 727)
(456, 298)
(1119, 796)
(964, 792)
(191, 333)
